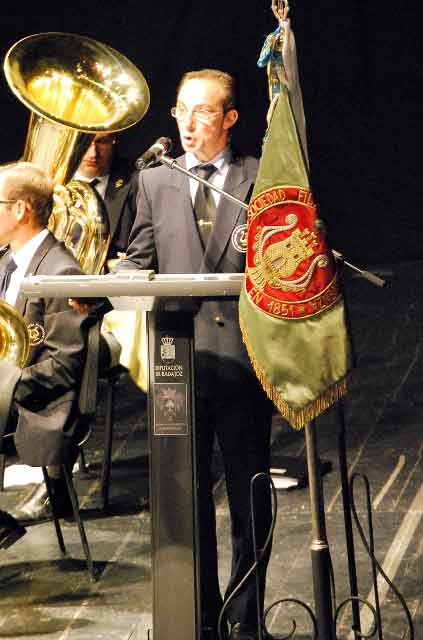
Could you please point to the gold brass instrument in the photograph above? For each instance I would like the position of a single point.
(74, 87)
(79, 219)
(14, 335)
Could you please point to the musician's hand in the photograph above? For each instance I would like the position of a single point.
(114, 261)
(85, 306)
(80, 307)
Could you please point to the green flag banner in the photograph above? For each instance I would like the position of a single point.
(292, 313)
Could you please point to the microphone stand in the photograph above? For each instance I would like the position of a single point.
(172, 164)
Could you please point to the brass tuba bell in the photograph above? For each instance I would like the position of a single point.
(14, 335)
(74, 87)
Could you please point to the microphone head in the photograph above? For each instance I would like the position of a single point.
(165, 143)
(152, 156)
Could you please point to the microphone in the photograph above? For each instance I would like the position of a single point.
(154, 153)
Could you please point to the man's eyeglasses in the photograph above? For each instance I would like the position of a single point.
(204, 116)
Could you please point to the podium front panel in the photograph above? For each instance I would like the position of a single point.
(173, 477)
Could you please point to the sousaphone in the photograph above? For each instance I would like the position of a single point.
(74, 87)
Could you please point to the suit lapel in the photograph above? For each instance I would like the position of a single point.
(38, 256)
(227, 214)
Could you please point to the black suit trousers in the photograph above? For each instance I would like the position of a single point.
(242, 424)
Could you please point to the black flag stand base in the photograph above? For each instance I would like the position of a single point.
(326, 614)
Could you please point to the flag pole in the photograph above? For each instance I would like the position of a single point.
(319, 547)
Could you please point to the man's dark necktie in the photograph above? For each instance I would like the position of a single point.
(94, 182)
(5, 275)
(204, 205)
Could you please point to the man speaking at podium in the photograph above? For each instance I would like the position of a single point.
(182, 227)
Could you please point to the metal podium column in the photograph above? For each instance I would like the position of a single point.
(174, 531)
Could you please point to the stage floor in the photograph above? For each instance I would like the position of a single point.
(45, 597)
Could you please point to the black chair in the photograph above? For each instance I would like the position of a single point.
(87, 409)
(110, 371)
(112, 375)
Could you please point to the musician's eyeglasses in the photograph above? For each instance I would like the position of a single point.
(104, 141)
(205, 116)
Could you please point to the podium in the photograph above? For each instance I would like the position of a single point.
(170, 301)
(174, 540)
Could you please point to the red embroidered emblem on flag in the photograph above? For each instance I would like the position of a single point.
(290, 271)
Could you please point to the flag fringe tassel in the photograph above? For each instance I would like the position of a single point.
(298, 419)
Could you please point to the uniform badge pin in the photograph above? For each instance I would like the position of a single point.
(37, 334)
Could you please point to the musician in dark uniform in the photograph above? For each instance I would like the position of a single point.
(44, 409)
(115, 180)
(169, 237)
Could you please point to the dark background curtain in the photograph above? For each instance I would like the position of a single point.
(361, 72)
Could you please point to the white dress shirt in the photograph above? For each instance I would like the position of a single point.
(100, 186)
(221, 162)
(22, 259)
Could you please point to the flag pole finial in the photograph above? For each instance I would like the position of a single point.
(280, 9)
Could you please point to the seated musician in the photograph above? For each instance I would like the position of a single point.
(116, 182)
(43, 410)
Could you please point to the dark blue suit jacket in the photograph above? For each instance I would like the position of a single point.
(165, 238)
(47, 392)
(120, 202)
